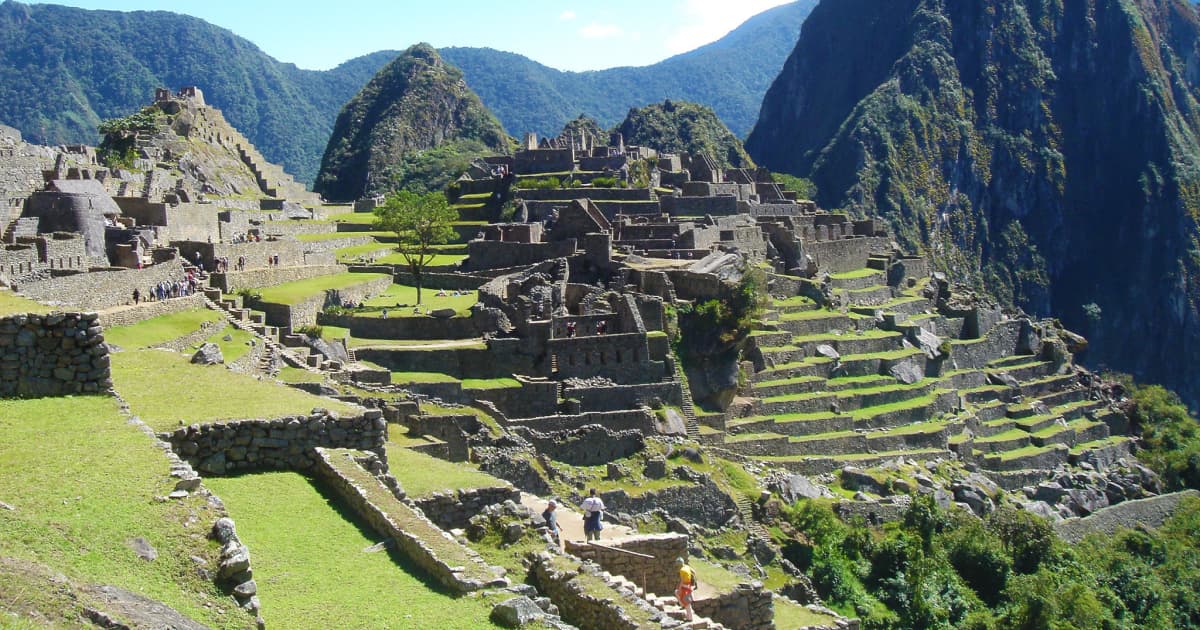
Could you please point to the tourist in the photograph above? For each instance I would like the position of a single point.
(570, 329)
(552, 523)
(593, 512)
(385, 313)
(137, 296)
(687, 586)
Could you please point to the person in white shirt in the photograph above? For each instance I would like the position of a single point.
(593, 511)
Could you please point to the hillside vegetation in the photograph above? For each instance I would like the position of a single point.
(1047, 151)
(416, 102)
(676, 127)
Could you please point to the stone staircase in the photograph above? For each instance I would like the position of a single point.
(746, 509)
(274, 352)
(667, 604)
(687, 405)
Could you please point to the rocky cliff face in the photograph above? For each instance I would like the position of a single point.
(677, 127)
(1048, 151)
(414, 103)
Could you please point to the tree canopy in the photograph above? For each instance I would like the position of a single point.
(420, 222)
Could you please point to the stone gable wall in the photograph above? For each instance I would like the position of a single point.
(52, 355)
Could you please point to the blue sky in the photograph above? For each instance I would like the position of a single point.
(563, 34)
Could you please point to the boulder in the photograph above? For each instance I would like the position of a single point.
(223, 530)
(796, 487)
(858, 479)
(443, 313)
(142, 549)
(516, 612)
(208, 354)
(828, 351)
(907, 372)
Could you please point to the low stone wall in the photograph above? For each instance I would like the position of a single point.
(101, 289)
(454, 509)
(281, 443)
(52, 355)
(845, 254)
(307, 311)
(748, 606)
(638, 419)
(453, 577)
(702, 503)
(134, 313)
(1151, 512)
(493, 254)
(413, 327)
(579, 607)
(589, 445)
(234, 281)
(658, 573)
(620, 397)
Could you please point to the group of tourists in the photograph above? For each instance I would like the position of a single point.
(593, 511)
(168, 289)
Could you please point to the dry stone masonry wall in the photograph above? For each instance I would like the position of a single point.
(52, 355)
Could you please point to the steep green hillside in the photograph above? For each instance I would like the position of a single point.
(62, 70)
(414, 103)
(684, 127)
(1048, 151)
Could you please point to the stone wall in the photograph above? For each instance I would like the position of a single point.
(493, 254)
(624, 358)
(291, 253)
(848, 254)
(282, 443)
(409, 545)
(132, 314)
(658, 574)
(580, 607)
(589, 445)
(1151, 512)
(636, 420)
(306, 311)
(52, 355)
(101, 289)
(702, 503)
(453, 509)
(699, 206)
(183, 222)
(748, 606)
(626, 396)
(233, 281)
(413, 327)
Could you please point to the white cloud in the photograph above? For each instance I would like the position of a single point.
(596, 30)
(704, 21)
(567, 16)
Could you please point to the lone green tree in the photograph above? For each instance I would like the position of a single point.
(420, 222)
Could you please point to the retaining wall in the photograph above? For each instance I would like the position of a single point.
(101, 289)
(454, 509)
(233, 281)
(658, 574)
(748, 606)
(281, 443)
(52, 355)
(132, 314)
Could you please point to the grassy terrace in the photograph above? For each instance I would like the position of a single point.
(1108, 441)
(313, 570)
(300, 290)
(236, 347)
(863, 272)
(159, 330)
(850, 393)
(790, 615)
(438, 260)
(12, 303)
(399, 299)
(422, 475)
(77, 505)
(416, 344)
(334, 236)
(165, 390)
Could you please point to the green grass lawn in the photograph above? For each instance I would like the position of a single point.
(163, 388)
(161, 329)
(236, 348)
(856, 274)
(333, 236)
(313, 571)
(300, 290)
(490, 383)
(438, 260)
(11, 303)
(790, 616)
(289, 374)
(399, 299)
(357, 218)
(78, 503)
(421, 475)
(418, 377)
